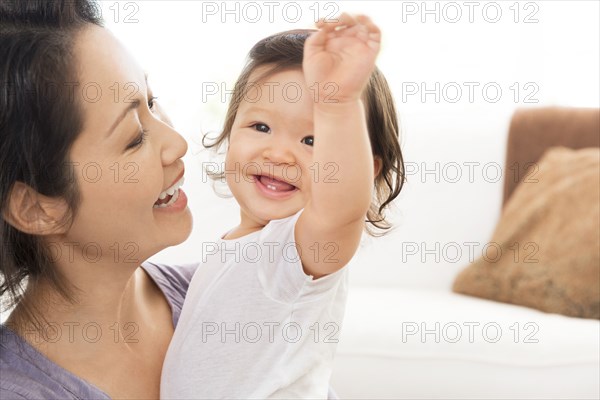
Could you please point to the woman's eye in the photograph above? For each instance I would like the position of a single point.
(139, 140)
(309, 140)
(262, 128)
(151, 103)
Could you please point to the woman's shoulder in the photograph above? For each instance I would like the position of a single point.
(27, 374)
(173, 281)
(176, 277)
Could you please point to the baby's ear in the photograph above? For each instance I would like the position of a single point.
(377, 165)
(35, 214)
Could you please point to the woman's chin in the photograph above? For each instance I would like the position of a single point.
(175, 232)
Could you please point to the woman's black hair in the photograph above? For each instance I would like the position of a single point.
(40, 118)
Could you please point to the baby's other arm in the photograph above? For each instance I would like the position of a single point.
(339, 58)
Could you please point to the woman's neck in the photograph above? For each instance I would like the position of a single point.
(101, 299)
(114, 326)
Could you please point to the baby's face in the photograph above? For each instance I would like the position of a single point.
(269, 160)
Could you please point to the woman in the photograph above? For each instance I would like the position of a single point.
(84, 159)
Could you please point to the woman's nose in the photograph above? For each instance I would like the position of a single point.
(174, 145)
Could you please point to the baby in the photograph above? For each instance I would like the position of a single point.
(312, 151)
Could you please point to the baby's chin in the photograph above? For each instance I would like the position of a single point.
(266, 216)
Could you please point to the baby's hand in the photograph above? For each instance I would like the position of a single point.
(340, 58)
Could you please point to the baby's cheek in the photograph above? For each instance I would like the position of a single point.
(306, 182)
(230, 166)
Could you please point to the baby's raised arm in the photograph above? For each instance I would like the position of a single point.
(339, 59)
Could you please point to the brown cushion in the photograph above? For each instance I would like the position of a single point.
(533, 131)
(549, 237)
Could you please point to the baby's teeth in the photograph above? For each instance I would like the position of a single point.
(162, 196)
(171, 191)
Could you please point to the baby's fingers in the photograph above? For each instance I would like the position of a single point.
(343, 21)
(360, 26)
(358, 31)
(374, 31)
(366, 21)
(315, 42)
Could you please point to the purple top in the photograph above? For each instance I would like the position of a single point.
(27, 374)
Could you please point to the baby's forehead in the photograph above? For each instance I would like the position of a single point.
(272, 87)
(263, 74)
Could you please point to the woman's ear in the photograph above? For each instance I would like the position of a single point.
(377, 165)
(35, 214)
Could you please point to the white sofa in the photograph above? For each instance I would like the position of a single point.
(408, 336)
(483, 350)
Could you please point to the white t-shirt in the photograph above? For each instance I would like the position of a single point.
(253, 324)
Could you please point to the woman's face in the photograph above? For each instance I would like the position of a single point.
(124, 158)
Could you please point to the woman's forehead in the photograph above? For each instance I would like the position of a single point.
(103, 60)
(108, 78)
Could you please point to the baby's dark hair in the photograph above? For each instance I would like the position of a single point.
(285, 50)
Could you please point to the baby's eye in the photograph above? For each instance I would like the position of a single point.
(309, 140)
(262, 128)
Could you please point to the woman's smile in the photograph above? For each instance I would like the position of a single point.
(177, 202)
(173, 196)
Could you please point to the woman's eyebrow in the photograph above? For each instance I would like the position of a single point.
(132, 106)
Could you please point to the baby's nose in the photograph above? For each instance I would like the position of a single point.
(279, 153)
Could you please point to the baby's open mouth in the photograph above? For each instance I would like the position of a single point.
(169, 196)
(274, 184)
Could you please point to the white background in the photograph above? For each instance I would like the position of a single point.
(187, 46)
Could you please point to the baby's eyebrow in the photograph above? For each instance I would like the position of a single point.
(259, 109)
